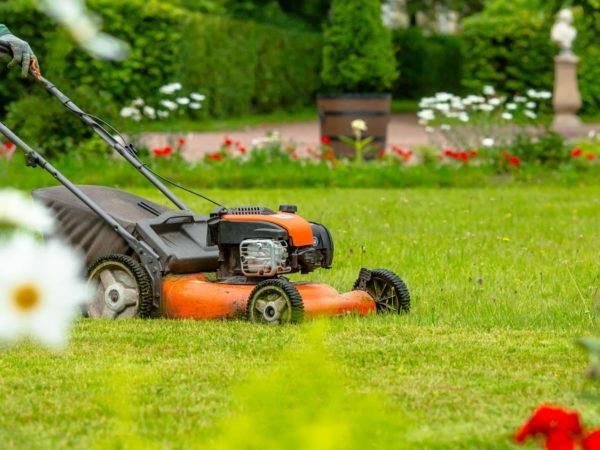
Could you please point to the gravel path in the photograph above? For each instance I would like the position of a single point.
(403, 130)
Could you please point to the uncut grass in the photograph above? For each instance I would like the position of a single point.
(503, 280)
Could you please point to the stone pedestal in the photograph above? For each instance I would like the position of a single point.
(567, 99)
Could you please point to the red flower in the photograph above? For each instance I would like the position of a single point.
(463, 156)
(592, 441)
(162, 151)
(562, 429)
(474, 153)
(590, 156)
(514, 161)
(227, 141)
(216, 157)
(449, 152)
(243, 150)
(9, 146)
(326, 140)
(294, 155)
(576, 152)
(381, 154)
(506, 154)
(181, 142)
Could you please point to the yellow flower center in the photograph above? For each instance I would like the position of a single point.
(26, 297)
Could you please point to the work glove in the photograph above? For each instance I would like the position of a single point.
(22, 53)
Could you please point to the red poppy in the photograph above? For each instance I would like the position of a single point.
(243, 150)
(576, 152)
(590, 156)
(181, 142)
(474, 153)
(514, 161)
(216, 157)
(463, 156)
(294, 155)
(561, 428)
(406, 155)
(9, 146)
(381, 154)
(326, 140)
(591, 441)
(448, 152)
(227, 141)
(162, 151)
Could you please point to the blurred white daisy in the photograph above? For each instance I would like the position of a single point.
(150, 112)
(489, 90)
(196, 105)
(172, 106)
(183, 101)
(85, 28)
(197, 97)
(41, 290)
(19, 210)
(170, 89)
(507, 116)
(488, 142)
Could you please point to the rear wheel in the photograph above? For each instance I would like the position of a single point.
(390, 293)
(121, 288)
(275, 302)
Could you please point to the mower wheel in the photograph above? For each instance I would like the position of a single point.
(122, 288)
(390, 293)
(275, 302)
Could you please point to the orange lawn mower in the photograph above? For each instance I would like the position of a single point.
(146, 260)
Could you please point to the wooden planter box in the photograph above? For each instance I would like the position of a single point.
(337, 112)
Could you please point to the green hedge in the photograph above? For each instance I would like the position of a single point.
(242, 66)
(429, 64)
(508, 45)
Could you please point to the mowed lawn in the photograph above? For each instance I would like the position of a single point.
(503, 281)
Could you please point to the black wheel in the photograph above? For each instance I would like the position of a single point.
(389, 291)
(275, 302)
(122, 288)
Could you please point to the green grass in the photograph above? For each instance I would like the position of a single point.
(503, 280)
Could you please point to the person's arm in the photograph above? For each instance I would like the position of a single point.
(22, 53)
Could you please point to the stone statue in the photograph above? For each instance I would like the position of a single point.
(563, 31)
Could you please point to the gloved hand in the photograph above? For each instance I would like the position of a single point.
(22, 53)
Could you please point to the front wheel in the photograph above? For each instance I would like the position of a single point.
(275, 302)
(390, 293)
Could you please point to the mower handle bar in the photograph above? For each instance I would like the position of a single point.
(126, 151)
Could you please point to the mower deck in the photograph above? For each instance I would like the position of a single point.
(193, 297)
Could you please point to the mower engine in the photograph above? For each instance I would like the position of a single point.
(256, 242)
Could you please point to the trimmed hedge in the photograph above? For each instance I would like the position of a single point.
(508, 45)
(242, 66)
(429, 64)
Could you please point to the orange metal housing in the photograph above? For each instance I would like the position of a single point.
(192, 297)
(298, 228)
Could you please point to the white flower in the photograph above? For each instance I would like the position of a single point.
(172, 106)
(426, 114)
(162, 114)
(486, 107)
(511, 106)
(463, 117)
(444, 107)
(532, 93)
(198, 97)
(139, 102)
(183, 101)
(170, 89)
(592, 134)
(507, 116)
(443, 96)
(128, 112)
(488, 142)
(545, 95)
(359, 125)
(445, 127)
(18, 210)
(150, 112)
(531, 105)
(520, 99)
(41, 290)
(495, 101)
(489, 90)
(196, 105)
(530, 114)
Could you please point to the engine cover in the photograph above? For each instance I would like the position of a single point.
(264, 258)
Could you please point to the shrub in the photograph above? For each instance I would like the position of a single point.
(429, 63)
(508, 47)
(357, 54)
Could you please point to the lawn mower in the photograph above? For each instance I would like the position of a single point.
(146, 260)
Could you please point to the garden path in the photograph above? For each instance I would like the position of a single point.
(403, 131)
